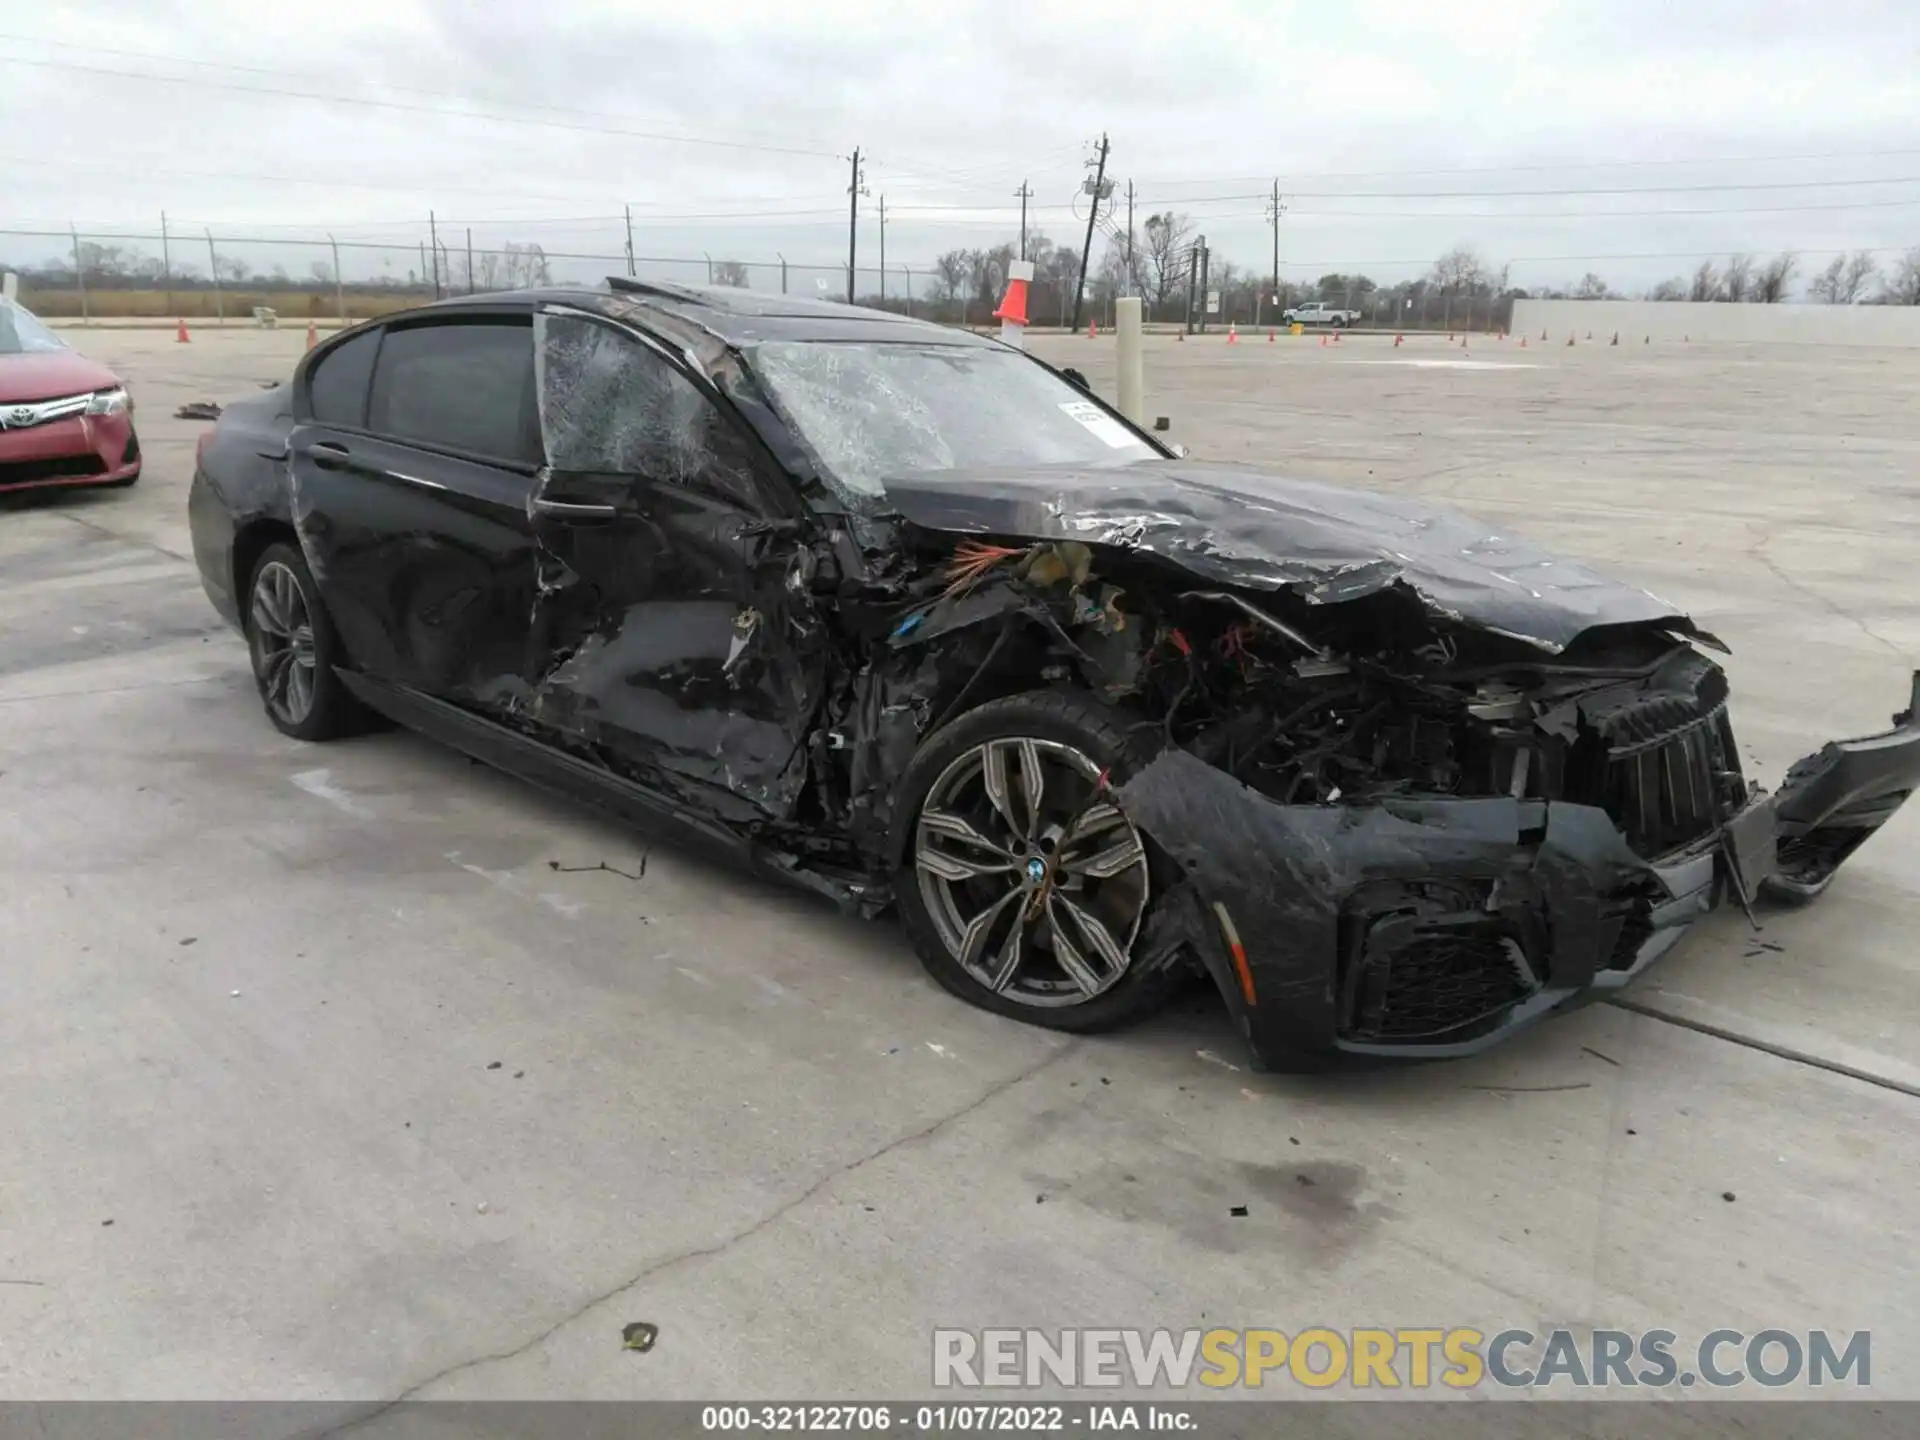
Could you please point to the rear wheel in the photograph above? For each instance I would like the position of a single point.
(294, 651)
(1022, 886)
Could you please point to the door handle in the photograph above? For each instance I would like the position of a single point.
(574, 510)
(328, 456)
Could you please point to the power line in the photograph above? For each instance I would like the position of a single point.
(493, 99)
(1534, 194)
(1553, 165)
(361, 100)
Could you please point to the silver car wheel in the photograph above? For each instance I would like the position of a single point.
(281, 633)
(1035, 881)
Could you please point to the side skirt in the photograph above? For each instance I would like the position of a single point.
(585, 783)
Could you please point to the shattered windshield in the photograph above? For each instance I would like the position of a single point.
(22, 334)
(872, 411)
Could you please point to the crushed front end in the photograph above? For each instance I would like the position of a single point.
(1403, 924)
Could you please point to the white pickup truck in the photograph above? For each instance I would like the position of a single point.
(1318, 312)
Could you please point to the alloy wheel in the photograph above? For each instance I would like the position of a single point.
(1035, 880)
(283, 651)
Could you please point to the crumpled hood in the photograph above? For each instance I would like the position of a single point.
(1238, 526)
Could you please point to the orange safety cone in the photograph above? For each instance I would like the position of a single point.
(1012, 313)
(1323, 342)
(180, 335)
(1398, 341)
(1093, 329)
(313, 334)
(1270, 337)
(1233, 333)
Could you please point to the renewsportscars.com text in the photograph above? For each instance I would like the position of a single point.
(1400, 1358)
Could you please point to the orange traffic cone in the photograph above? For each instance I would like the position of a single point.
(1269, 337)
(1398, 341)
(1093, 329)
(1323, 342)
(1336, 337)
(313, 334)
(180, 334)
(1233, 333)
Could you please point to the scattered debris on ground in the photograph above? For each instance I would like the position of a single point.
(198, 410)
(638, 1336)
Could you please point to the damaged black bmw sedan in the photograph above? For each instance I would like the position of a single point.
(906, 616)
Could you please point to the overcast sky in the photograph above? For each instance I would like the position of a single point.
(1364, 110)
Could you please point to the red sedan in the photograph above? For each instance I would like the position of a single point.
(64, 420)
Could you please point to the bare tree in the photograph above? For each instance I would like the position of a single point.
(1667, 290)
(1736, 281)
(1772, 281)
(730, 272)
(1706, 283)
(950, 275)
(1844, 281)
(1460, 269)
(1591, 287)
(1168, 238)
(1902, 286)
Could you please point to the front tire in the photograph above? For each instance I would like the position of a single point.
(1023, 888)
(294, 649)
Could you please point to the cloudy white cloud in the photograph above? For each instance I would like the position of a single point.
(1372, 115)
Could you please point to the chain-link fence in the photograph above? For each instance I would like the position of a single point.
(98, 275)
(160, 275)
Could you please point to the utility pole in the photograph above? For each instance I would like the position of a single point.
(79, 273)
(1098, 189)
(630, 269)
(1274, 211)
(883, 249)
(1206, 295)
(1023, 194)
(1129, 237)
(855, 189)
(470, 260)
(166, 259)
(433, 237)
(213, 269)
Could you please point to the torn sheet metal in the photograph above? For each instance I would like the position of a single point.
(1244, 527)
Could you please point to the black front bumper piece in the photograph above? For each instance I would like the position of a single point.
(1422, 928)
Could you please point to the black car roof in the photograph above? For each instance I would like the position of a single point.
(736, 316)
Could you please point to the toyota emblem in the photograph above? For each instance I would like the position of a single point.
(20, 415)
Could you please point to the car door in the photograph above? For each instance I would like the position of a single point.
(679, 628)
(413, 456)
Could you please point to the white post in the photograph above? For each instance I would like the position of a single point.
(10, 285)
(1126, 327)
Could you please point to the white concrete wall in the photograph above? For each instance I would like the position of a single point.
(1686, 319)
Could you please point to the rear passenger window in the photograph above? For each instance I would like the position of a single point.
(337, 385)
(461, 385)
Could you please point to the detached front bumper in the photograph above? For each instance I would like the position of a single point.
(1424, 928)
(77, 450)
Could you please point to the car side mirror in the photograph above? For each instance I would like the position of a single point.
(1074, 377)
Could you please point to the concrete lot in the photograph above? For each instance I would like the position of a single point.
(321, 1081)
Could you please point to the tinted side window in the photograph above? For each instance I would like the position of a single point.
(613, 406)
(337, 386)
(465, 385)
